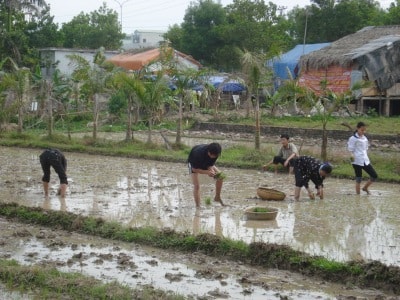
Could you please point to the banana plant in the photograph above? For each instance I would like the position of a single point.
(17, 84)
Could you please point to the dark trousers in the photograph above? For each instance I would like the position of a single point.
(367, 168)
(281, 160)
(51, 159)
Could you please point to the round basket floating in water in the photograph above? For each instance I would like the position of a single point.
(270, 194)
(261, 213)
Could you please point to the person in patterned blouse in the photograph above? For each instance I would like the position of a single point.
(308, 168)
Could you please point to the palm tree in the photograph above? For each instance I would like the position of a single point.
(43, 88)
(183, 80)
(156, 90)
(95, 80)
(253, 69)
(26, 7)
(133, 90)
(325, 105)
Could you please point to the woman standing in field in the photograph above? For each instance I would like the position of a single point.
(358, 147)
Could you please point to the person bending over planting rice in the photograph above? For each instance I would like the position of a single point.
(202, 160)
(308, 168)
(54, 158)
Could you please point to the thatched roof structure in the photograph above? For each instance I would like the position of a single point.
(343, 51)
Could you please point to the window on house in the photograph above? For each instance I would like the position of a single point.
(144, 41)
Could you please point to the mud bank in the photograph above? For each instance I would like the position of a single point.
(193, 275)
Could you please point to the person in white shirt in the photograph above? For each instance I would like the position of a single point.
(358, 147)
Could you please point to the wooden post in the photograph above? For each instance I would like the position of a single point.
(386, 107)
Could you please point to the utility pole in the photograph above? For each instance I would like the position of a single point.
(121, 4)
(308, 13)
(281, 9)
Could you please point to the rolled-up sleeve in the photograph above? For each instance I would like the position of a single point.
(351, 144)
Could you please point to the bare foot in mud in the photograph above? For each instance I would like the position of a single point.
(366, 190)
(219, 200)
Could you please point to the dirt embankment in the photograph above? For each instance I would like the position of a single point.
(298, 133)
(261, 255)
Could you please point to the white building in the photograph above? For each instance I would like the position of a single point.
(143, 39)
(57, 58)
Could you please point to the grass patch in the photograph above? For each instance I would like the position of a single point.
(49, 283)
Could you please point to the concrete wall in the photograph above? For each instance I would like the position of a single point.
(143, 39)
(57, 58)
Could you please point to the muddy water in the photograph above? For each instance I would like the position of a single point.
(342, 227)
(193, 275)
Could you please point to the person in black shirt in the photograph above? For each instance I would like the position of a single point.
(308, 168)
(54, 158)
(202, 160)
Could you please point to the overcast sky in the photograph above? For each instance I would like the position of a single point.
(145, 14)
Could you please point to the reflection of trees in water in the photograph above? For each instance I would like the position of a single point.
(382, 234)
(388, 210)
(383, 242)
(158, 199)
(363, 213)
(338, 231)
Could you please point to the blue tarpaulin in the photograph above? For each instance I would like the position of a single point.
(224, 84)
(289, 60)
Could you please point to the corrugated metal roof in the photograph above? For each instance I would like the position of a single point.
(136, 61)
(384, 41)
(341, 51)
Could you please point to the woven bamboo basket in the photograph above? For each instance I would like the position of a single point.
(257, 213)
(270, 194)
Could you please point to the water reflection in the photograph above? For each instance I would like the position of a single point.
(202, 222)
(343, 226)
(48, 205)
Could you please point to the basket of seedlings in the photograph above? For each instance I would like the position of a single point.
(261, 213)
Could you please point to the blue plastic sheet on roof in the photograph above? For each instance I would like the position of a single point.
(232, 87)
(221, 82)
(290, 59)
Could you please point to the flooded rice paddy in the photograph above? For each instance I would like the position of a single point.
(194, 275)
(138, 193)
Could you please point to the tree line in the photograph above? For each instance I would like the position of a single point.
(25, 28)
(216, 35)
(212, 33)
(236, 38)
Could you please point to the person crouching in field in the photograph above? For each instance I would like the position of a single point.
(308, 168)
(202, 160)
(286, 155)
